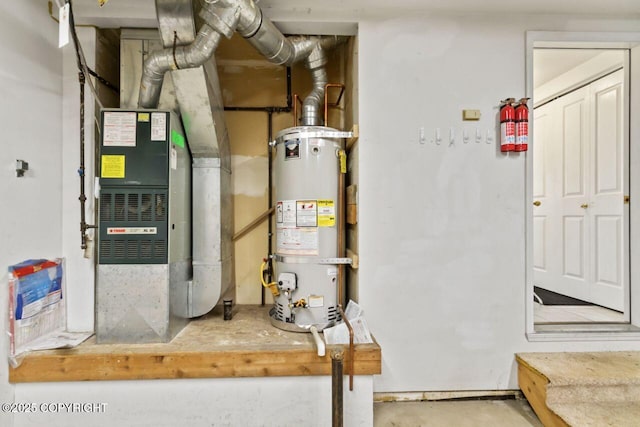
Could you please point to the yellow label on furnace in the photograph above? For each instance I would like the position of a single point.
(112, 166)
(326, 213)
(143, 117)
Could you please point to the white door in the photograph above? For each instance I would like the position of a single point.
(579, 246)
(545, 270)
(564, 141)
(606, 213)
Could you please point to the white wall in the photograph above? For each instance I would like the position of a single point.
(442, 227)
(30, 93)
(278, 402)
(80, 270)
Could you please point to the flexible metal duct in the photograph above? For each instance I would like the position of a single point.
(218, 22)
(200, 100)
(315, 62)
(222, 17)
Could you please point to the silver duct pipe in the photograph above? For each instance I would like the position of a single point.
(311, 112)
(224, 18)
(218, 22)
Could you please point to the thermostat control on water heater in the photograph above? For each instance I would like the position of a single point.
(287, 281)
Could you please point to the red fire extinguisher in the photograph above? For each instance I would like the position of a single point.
(507, 125)
(522, 125)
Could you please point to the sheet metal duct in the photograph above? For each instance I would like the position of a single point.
(194, 75)
(189, 57)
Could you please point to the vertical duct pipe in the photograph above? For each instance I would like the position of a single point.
(315, 62)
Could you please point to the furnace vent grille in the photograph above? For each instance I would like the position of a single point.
(133, 226)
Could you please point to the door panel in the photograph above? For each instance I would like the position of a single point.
(608, 141)
(606, 207)
(579, 172)
(607, 250)
(573, 111)
(542, 229)
(573, 244)
(573, 142)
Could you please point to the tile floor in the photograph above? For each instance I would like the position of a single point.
(460, 413)
(575, 314)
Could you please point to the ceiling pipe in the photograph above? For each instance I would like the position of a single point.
(223, 17)
(217, 22)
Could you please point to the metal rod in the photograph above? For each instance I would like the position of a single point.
(341, 249)
(270, 187)
(83, 197)
(337, 408)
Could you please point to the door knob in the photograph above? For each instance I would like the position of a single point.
(537, 203)
(584, 205)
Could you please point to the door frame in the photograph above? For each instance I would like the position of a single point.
(592, 40)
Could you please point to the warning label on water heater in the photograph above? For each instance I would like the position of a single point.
(297, 227)
(326, 213)
(297, 241)
(306, 213)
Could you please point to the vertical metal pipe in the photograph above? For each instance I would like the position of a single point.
(83, 197)
(289, 98)
(270, 198)
(336, 388)
(341, 231)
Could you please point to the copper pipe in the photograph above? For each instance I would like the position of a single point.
(341, 251)
(351, 347)
(253, 223)
(326, 100)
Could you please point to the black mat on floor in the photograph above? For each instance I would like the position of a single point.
(552, 298)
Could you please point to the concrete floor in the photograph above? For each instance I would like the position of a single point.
(461, 413)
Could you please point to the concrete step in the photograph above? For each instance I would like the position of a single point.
(582, 389)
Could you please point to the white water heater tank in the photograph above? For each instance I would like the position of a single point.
(305, 171)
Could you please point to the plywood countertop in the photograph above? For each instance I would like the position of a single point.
(246, 346)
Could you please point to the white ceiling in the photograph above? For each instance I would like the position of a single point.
(121, 13)
(550, 63)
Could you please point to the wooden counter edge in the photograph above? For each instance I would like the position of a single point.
(64, 366)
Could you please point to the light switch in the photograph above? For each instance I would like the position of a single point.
(470, 114)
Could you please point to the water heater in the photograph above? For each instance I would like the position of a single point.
(307, 164)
